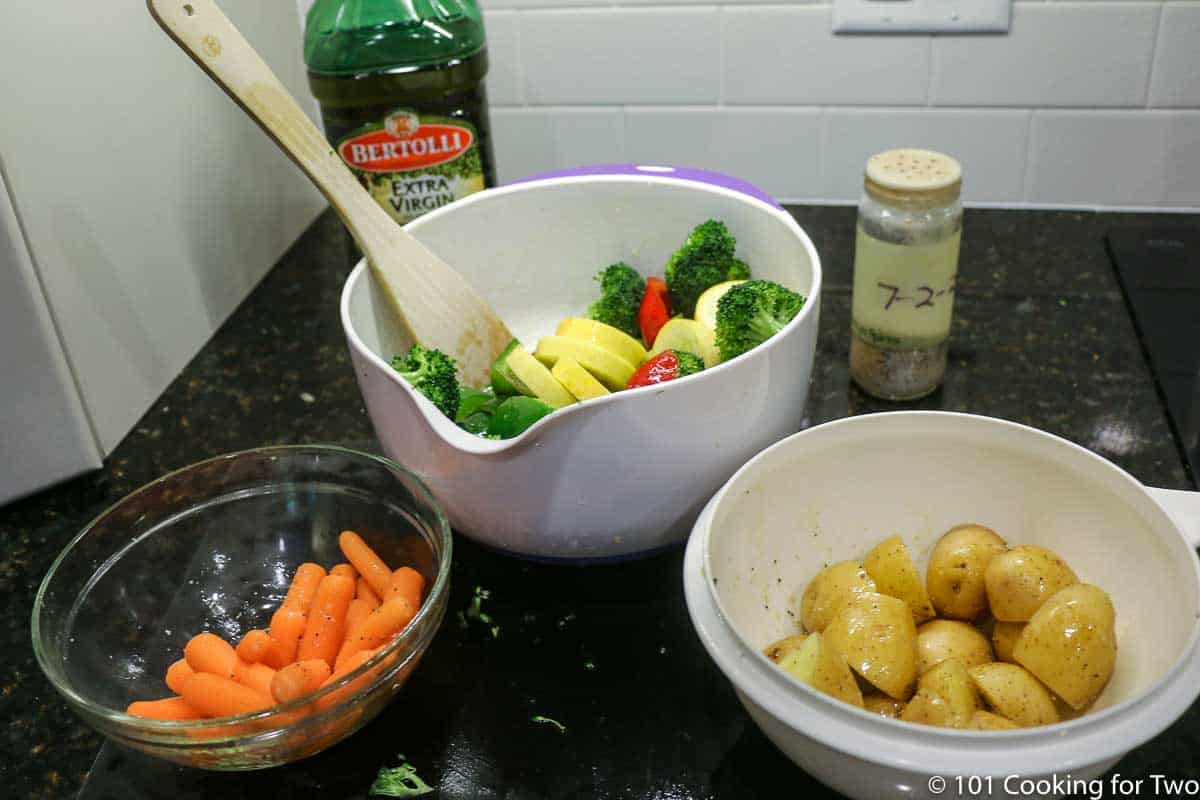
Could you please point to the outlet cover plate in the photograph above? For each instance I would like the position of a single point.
(921, 16)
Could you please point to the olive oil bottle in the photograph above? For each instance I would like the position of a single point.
(401, 89)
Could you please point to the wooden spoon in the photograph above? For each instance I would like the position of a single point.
(435, 306)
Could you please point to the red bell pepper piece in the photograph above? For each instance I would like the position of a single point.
(662, 367)
(655, 309)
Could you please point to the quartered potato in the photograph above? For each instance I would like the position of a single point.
(777, 650)
(829, 591)
(879, 703)
(820, 667)
(1004, 636)
(942, 639)
(956, 566)
(1015, 694)
(1021, 643)
(1019, 581)
(987, 721)
(895, 574)
(1070, 644)
(945, 697)
(876, 635)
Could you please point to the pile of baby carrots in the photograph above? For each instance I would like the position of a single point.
(329, 624)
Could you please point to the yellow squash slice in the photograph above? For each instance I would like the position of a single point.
(615, 341)
(578, 380)
(613, 371)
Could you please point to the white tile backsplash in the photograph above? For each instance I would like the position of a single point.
(504, 58)
(990, 144)
(785, 54)
(533, 140)
(765, 91)
(1117, 158)
(1057, 54)
(621, 56)
(488, 5)
(1176, 80)
(777, 149)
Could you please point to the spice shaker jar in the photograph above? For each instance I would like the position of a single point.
(905, 266)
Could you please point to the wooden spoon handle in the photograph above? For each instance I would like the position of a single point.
(434, 304)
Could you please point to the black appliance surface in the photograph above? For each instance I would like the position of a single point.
(1159, 271)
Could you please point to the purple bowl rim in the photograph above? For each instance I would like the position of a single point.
(658, 171)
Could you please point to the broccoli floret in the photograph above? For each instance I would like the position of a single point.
(433, 374)
(401, 781)
(752, 312)
(621, 290)
(705, 259)
(689, 363)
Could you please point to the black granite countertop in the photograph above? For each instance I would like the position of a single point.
(1041, 336)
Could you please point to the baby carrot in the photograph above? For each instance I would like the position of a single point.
(364, 559)
(168, 708)
(304, 586)
(287, 626)
(380, 626)
(360, 609)
(216, 696)
(365, 592)
(345, 569)
(298, 679)
(326, 625)
(254, 646)
(207, 652)
(177, 673)
(352, 663)
(256, 676)
(406, 582)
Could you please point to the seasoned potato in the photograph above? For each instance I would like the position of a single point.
(1004, 636)
(895, 574)
(829, 591)
(1070, 644)
(876, 635)
(879, 703)
(945, 697)
(801, 662)
(1065, 712)
(1020, 580)
(820, 667)
(940, 639)
(1015, 694)
(777, 650)
(987, 721)
(956, 567)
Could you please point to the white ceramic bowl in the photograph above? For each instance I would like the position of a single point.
(833, 491)
(624, 474)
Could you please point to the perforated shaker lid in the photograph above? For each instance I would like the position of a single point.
(912, 176)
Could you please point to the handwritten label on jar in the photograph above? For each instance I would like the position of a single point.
(904, 294)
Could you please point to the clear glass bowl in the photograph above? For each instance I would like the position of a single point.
(213, 547)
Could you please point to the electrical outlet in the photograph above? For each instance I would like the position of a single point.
(921, 16)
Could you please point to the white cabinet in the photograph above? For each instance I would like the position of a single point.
(149, 204)
(44, 433)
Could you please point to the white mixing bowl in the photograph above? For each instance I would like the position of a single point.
(627, 473)
(834, 491)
